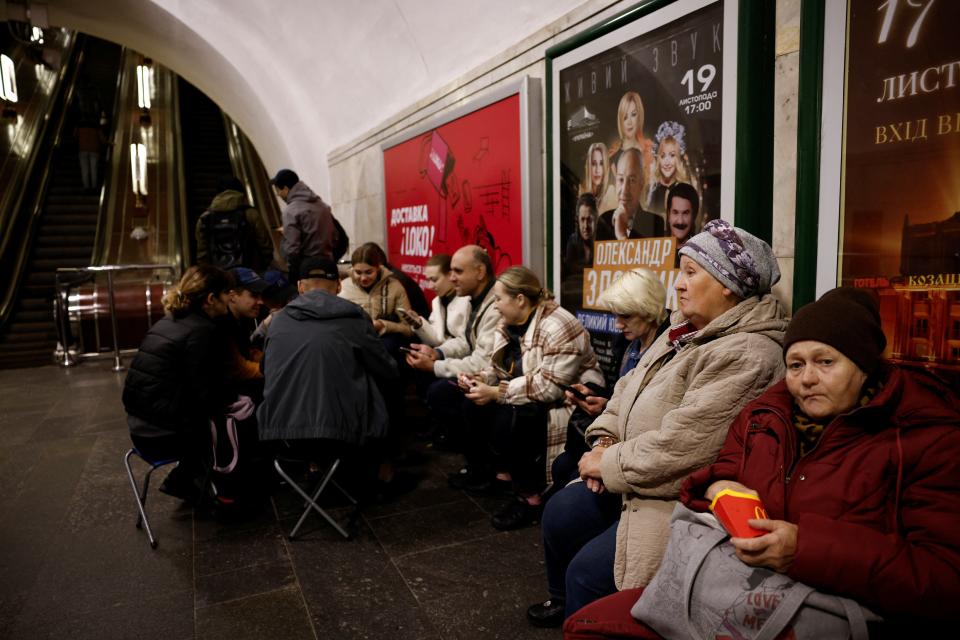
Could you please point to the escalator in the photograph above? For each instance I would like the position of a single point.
(74, 236)
(205, 153)
(64, 232)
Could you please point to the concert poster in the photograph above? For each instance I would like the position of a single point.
(649, 109)
(900, 221)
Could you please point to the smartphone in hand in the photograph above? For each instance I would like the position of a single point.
(408, 317)
(576, 392)
(408, 350)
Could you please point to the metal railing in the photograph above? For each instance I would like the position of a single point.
(70, 308)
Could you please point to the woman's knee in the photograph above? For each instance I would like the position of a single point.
(565, 509)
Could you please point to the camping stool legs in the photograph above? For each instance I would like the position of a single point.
(311, 503)
(141, 494)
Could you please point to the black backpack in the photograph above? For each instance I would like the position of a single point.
(343, 240)
(226, 237)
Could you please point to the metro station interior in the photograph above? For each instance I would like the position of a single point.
(425, 126)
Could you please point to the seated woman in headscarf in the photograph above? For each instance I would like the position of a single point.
(667, 418)
(857, 463)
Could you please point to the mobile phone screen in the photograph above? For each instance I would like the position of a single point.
(576, 392)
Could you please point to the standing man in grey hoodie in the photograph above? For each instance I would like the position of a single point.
(308, 227)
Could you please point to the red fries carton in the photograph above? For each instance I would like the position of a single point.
(734, 508)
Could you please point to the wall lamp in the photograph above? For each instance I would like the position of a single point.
(8, 79)
(144, 82)
(138, 171)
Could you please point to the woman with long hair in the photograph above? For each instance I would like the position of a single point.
(672, 165)
(596, 178)
(518, 417)
(174, 385)
(630, 117)
(372, 286)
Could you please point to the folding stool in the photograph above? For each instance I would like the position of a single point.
(141, 495)
(310, 503)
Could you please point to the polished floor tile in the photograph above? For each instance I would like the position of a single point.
(425, 565)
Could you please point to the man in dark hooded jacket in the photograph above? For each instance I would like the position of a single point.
(322, 365)
(309, 230)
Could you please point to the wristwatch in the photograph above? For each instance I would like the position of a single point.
(603, 441)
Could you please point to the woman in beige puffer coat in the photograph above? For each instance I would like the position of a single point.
(376, 291)
(667, 418)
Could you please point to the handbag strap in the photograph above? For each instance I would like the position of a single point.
(784, 612)
(693, 568)
(795, 599)
(858, 622)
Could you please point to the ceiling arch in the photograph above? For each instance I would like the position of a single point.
(303, 77)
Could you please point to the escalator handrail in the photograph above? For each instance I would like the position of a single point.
(247, 166)
(106, 191)
(118, 198)
(181, 227)
(13, 255)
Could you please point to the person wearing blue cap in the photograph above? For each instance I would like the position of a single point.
(241, 359)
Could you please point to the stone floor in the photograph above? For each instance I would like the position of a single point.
(428, 565)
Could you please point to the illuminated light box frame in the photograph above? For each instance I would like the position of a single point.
(878, 149)
(678, 84)
(471, 175)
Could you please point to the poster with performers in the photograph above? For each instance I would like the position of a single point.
(900, 224)
(460, 181)
(637, 155)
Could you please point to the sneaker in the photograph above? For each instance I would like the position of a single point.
(516, 515)
(548, 615)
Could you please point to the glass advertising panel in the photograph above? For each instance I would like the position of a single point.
(900, 204)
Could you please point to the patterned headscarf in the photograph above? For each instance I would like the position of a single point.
(740, 261)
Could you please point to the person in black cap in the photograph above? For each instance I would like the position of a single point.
(231, 233)
(309, 230)
(324, 366)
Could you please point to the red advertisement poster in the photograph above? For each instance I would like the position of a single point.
(454, 185)
(901, 202)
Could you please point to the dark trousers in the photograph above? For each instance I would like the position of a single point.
(447, 405)
(511, 438)
(394, 392)
(580, 543)
(193, 454)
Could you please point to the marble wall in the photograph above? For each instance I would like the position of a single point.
(356, 169)
(785, 142)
